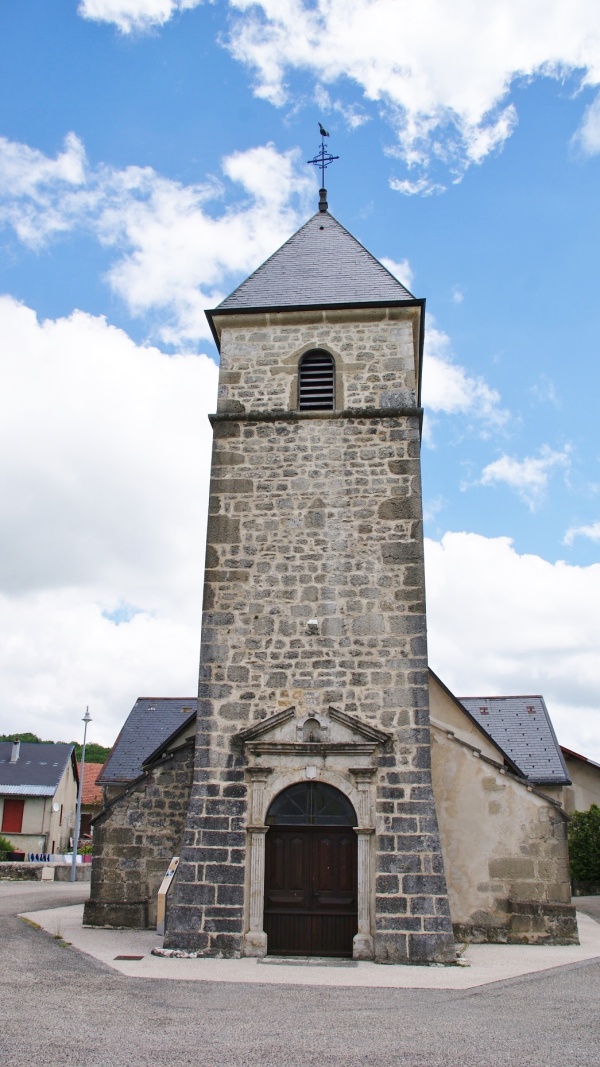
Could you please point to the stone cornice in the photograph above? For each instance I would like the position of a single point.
(301, 416)
(311, 748)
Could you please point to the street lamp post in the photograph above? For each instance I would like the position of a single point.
(86, 718)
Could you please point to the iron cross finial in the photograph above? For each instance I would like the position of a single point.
(322, 159)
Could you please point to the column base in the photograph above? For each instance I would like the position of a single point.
(362, 947)
(254, 943)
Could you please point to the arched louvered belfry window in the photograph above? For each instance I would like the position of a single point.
(316, 381)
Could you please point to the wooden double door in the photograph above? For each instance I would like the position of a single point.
(310, 890)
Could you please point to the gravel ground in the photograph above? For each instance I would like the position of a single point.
(60, 1007)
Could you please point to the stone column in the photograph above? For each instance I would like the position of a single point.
(255, 940)
(363, 948)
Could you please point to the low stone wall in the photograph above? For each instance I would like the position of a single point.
(83, 872)
(135, 838)
(32, 872)
(524, 922)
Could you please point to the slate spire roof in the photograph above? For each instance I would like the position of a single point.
(322, 264)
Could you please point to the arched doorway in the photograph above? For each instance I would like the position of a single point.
(310, 872)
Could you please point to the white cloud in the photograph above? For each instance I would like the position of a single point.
(104, 466)
(353, 114)
(39, 195)
(172, 255)
(544, 390)
(402, 270)
(528, 477)
(457, 294)
(420, 187)
(591, 531)
(131, 15)
(449, 390)
(441, 73)
(587, 137)
(504, 623)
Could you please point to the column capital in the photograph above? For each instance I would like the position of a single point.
(363, 775)
(259, 774)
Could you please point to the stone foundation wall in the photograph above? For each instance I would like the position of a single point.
(523, 922)
(135, 838)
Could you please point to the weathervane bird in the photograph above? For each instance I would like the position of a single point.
(322, 130)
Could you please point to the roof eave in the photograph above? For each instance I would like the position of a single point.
(548, 781)
(28, 790)
(577, 755)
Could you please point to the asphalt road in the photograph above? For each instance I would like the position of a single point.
(59, 1007)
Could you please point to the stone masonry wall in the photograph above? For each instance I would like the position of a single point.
(374, 353)
(315, 516)
(135, 838)
(505, 848)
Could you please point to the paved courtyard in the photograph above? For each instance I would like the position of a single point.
(62, 1007)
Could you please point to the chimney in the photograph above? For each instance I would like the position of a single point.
(15, 751)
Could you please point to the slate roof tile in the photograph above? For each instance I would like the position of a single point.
(37, 771)
(320, 264)
(150, 723)
(521, 726)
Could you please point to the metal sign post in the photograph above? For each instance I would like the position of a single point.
(86, 718)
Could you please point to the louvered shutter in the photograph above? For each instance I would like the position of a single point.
(316, 382)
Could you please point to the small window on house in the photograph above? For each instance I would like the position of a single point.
(12, 816)
(316, 382)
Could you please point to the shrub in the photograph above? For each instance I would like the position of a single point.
(5, 846)
(584, 845)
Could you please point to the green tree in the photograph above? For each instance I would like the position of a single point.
(93, 753)
(32, 738)
(584, 845)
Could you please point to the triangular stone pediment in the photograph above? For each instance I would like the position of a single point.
(271, 725)
(332, 729)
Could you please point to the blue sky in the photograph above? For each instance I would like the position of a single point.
(152, 153)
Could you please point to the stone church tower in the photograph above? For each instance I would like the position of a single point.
(312, 826)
